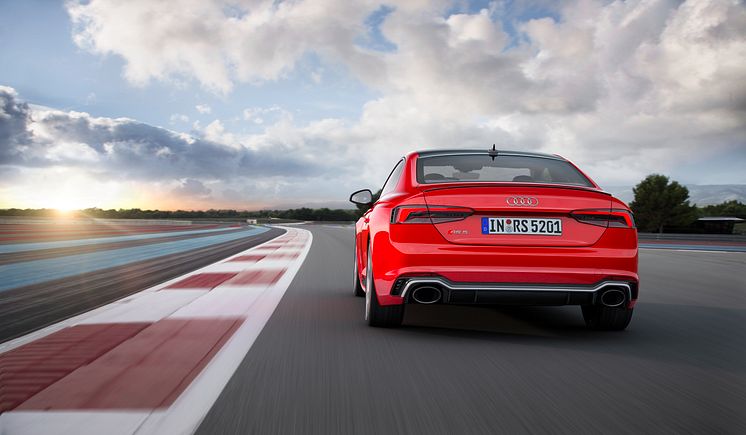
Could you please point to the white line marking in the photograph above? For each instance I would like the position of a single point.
(270, 264)
(233, 266)
(276, 251)
(221, 302)
(71, 422)
(242, 266)
(149, 307)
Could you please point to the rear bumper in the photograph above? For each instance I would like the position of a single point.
(507, 274)
(512, 294)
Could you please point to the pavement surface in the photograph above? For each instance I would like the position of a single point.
(178, 337)
(317, 368)
(153, 362)
(43, 286)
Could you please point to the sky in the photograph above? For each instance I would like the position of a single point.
(250, 104)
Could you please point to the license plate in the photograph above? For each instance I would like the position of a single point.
(511, 225)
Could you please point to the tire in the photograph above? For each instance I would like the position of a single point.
(602, 318)
(357, 288)
(389, 316)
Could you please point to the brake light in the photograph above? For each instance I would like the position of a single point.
(614, 218)
(422, 214)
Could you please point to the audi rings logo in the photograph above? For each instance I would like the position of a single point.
(522, 201)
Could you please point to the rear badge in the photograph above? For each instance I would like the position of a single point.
(522, 201)
(458, 232)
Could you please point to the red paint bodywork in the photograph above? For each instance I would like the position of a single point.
(584, 255)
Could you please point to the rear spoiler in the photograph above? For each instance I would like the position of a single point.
(442, 186)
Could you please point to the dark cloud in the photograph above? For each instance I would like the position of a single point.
(14, 118)
(127, 149)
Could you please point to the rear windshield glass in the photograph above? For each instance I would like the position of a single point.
(504, 168)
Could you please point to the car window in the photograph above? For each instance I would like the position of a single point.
(505, 168)
(394, 176)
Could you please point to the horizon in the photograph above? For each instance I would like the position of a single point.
(281, 106)
(622, 192)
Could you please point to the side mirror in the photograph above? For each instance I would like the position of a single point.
(362, 197)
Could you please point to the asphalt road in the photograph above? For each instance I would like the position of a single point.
(317, 368)
(31, 307)
(38, 254)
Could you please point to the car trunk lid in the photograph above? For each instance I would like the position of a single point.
(514, 205)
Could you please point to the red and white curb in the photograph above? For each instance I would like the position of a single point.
(153, 362)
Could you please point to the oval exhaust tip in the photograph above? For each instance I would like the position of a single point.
(426, 295)
(613, 298)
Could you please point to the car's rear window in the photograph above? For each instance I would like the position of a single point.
(504, 168)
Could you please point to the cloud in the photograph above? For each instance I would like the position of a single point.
(655, 54)
(212, 43)
(192, 188)
(14, 118)
(178, 117)
(262, 115)
(123, 148)
(142, 164)
(203, 108)
(623, 88)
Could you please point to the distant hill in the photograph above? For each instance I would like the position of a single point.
(699, 194)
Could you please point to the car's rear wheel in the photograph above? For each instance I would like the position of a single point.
(357, 288)
(377, 315)
(602, 318)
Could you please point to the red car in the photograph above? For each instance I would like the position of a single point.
(494, 227)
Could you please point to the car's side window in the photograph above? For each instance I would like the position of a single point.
(390, 183)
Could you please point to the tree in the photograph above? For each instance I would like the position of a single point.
(727, 208)
(661, 203)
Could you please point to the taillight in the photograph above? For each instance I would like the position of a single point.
(614, 218)
(421, 214)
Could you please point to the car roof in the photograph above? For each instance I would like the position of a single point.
(450, 152)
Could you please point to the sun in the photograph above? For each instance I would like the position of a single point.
(65, 207)
(67, 190)
(64, 202)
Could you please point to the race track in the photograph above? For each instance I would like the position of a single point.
(272, 340)
(317, 368)
(46, 282)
